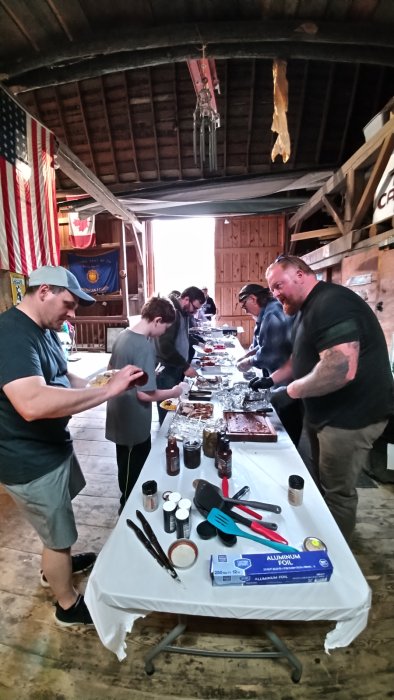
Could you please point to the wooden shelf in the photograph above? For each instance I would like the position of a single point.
(107, 297)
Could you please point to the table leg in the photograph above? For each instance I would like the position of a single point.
(164, 644)
(281, 651)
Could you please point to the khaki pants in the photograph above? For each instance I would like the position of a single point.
(338, 457)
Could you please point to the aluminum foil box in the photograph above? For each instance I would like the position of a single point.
(267, 569)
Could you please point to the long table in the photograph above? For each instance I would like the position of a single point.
(126, 582)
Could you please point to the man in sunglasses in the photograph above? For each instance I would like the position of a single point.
(340, 369)
(270, 349)
(172, 348)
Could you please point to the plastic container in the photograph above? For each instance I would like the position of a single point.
(150, 497)
(192, 453)
(296, 490)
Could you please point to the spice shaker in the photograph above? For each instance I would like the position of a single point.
(182, 519)
(169, 508)
(150, 497)
(296, 490)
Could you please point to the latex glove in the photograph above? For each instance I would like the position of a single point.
(181, 389)
(261, 383)
(244, 364)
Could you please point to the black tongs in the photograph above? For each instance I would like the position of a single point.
(151, 543)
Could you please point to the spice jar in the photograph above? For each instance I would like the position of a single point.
(296, 490)
(150, 498)
(224, 459)
(192, 453)
(209, 439)
(172, 457)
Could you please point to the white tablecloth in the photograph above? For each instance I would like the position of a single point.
(127, 583)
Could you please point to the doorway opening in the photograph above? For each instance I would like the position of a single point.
(184, 254)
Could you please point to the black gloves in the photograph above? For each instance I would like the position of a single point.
(261, 383)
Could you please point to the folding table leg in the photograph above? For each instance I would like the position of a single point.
(161, 646)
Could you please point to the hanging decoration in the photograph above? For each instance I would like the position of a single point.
(206, 118)
(279, 122)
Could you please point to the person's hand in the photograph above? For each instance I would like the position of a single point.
(261, 383)
(126, 378)
(191, 372)
(181, 389)
(244, 364)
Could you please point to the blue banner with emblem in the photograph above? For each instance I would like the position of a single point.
(98, 274)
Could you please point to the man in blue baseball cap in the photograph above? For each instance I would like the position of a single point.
(38, 467)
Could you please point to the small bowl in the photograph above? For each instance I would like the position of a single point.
(183, 553)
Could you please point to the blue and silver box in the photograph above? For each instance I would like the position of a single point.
(267, 569)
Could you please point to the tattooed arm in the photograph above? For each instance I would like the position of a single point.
(336, 368)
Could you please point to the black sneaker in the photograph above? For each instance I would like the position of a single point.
(78, 614)
(80, 563)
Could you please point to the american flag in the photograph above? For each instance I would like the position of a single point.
(29, 232)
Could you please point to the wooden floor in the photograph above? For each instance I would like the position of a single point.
(39, 661)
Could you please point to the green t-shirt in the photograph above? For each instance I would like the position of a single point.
(330, 315)
(29, 450)
(129, 419)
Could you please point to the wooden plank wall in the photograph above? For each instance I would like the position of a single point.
(244, 248)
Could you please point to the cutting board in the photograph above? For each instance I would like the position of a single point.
(250, 427)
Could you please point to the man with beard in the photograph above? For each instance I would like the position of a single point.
(340, 368)
(38, 467)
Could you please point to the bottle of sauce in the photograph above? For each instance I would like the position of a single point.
(172, 457)
(224, 459)
(220, 436)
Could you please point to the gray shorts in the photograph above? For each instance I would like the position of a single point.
(46, 503)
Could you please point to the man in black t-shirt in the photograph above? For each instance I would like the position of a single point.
(340, 369)
(37, 397)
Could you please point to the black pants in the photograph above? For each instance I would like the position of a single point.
(130, 462)
(290, 412)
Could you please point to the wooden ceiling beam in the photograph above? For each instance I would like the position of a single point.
(349, 112)
(102, 65)
(322, 233)
(320, 35)
(300, 112)
(365, 156)
(89, 183)
(323, 122)
(373, 181)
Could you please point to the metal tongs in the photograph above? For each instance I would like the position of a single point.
(152, 544)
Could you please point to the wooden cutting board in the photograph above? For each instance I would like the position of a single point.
(251, 427)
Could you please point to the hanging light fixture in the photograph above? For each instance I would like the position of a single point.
(206, 118)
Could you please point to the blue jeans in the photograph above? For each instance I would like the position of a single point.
(166, 380)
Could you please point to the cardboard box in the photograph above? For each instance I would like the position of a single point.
(267, 569)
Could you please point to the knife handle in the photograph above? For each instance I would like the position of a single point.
(153, 539)
(269, 534)
(145, 542)
(256, 504)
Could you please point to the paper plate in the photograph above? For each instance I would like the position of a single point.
(169, 405)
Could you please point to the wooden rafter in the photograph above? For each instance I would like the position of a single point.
(251, 112)
(107, 124)
(373, 181)
(323, 123)
(300, 111)
(363, 158)
(131, 129)
(152, 106)
(322, 233)
(178, 137)
(335, 214)
(225, 118)
(60, 113)
(350, 105)
(85, 126)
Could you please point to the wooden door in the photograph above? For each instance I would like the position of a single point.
(244, 248)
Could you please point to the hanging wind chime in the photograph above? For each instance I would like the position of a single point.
(206, 118)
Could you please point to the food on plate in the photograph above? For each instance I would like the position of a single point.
(193, 409)
(102, 379)
(169, 405)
